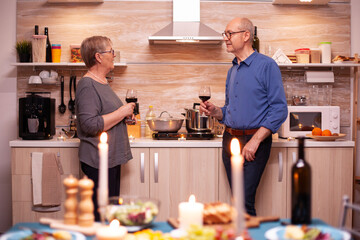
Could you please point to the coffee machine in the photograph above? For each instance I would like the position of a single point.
(36, 116)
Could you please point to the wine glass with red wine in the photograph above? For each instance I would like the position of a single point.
(131, 96)
(204, 93)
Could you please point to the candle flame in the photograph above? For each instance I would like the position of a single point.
(114, 224)
(103, 137)
(235, 146)
(192, 199)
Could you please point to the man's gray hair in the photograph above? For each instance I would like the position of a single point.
(247, 25)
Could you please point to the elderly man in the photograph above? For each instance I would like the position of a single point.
(255, 106)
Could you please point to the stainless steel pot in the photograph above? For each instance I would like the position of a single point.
(196, 122)
(165, 124)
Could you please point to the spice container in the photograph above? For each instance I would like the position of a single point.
(75, 53)
(56, 52)
(302, 55)
(39, 48)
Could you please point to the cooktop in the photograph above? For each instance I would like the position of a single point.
(183, 136)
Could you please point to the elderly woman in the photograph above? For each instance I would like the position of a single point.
(99, 109)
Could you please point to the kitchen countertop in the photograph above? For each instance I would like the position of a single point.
(147, 142)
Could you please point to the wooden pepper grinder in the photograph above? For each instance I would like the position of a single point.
(86, 206)
(71, 185)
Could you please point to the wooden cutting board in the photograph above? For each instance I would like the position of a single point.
(252, 222)
(59, 224)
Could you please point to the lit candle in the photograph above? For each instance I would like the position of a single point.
(112, 232)
(190, 213)
(182, 137)
(237, 161)
(103, 175)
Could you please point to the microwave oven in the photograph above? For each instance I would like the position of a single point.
(302, 119)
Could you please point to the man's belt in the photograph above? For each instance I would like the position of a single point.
(239, 132)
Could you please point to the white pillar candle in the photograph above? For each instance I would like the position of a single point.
(237, 162)
(190, 213)
(103, 192)
(112, 232)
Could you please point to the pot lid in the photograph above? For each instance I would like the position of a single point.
(166, 117)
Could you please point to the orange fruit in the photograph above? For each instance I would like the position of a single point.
(326, 132)
(316, 131)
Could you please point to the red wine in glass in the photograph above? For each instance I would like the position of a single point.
(134, 100)
(204, 93)
(131, 96)
(204, 98)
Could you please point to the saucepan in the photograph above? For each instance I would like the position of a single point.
(165, 123)
(196, 122)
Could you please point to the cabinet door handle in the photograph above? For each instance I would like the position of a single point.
(294, 157)
(142, 167)
(280, 167)
(156, 167)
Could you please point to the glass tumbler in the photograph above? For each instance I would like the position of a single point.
(313, 95)
(327, 94)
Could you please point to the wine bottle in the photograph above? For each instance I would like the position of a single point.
(36, 30)
(48, 46)
(256, 41)
(301, 188)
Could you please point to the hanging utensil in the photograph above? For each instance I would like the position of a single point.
(74, 81)
(71, 105)
(62, 106)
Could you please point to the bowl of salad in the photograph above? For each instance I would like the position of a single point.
(133, 212)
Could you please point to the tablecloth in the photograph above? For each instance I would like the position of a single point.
(255, 233)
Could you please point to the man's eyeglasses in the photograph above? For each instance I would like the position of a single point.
(112, 51)
(228, 34)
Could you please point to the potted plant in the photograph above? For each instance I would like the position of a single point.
(23, 48)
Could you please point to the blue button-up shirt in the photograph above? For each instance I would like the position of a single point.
(255, 94)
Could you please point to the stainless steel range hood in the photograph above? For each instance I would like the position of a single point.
(186, 26)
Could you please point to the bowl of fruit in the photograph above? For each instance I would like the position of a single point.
(324, 135)
(135, 213)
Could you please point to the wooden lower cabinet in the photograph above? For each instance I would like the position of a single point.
(171, 175)
(332, 178)
(21, 181)
(271, 192)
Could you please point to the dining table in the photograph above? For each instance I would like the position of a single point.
(257, 233)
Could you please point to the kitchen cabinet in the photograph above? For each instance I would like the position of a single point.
(332, 178)
(271, 192)
(171, 175)
(21, 181)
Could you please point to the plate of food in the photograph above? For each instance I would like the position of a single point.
(333, 137)
(343, 59)
(134, 213)
(33, 234)
(306, 232)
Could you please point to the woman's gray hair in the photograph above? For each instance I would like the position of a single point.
(92, 45)
(246, 24)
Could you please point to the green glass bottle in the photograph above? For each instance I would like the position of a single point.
(301, 188)
(256, 41)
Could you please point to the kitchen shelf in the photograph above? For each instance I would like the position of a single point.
(61, 64)
(306, 65)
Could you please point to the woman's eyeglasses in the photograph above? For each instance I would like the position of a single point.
(112, 51)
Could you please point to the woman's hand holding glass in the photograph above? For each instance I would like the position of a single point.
(128, 111)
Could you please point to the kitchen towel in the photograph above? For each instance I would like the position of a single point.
(51, 181)
(36, 175)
